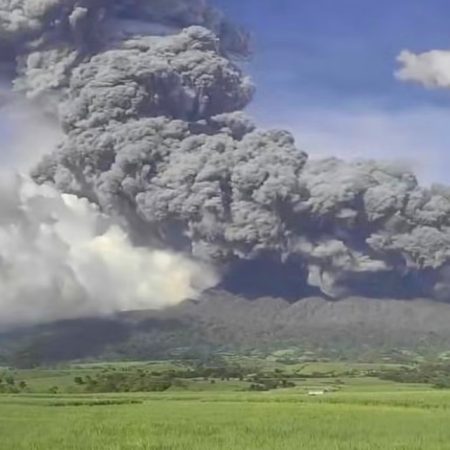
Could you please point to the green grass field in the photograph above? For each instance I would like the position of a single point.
(209, 421)
(365, 413)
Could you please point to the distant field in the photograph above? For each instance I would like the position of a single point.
(41, 380)
(359, 413)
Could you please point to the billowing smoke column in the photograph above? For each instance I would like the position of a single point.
(60, 258)
(150, 103)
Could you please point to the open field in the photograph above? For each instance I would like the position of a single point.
(227, 421)
(356, 412)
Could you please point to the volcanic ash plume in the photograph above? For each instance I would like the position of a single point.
(150, 103)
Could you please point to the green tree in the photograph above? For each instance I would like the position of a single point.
(78, 380)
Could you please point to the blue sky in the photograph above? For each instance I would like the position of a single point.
(325, 69)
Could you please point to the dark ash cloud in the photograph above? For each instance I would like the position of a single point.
(150, 101)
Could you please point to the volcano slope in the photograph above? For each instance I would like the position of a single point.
(354, 327)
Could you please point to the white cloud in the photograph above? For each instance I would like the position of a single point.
(60, 258)
(432, 69)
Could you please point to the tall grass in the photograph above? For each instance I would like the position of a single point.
(229, 421)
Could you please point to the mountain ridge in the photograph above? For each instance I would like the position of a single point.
(220, 321)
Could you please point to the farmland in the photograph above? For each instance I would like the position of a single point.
(356, 410)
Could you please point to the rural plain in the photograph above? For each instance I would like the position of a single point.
(326, 406)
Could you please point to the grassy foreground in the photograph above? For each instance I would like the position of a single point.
(227, 421)
(204, 410)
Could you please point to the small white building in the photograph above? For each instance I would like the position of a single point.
(316, 393)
